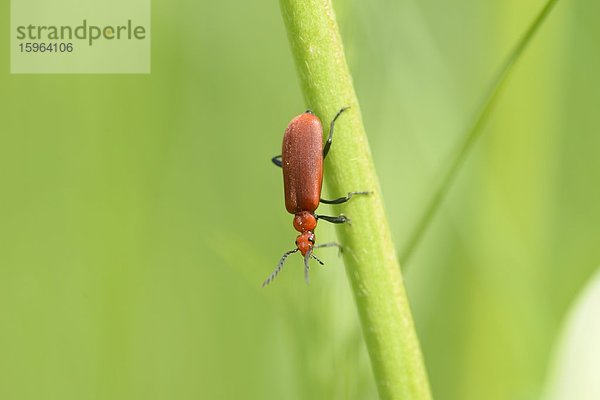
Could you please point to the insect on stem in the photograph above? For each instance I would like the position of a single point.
(301, 160)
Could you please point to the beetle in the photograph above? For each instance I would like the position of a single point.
(301, 159)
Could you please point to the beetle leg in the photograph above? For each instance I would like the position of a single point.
(331, 244)
(330, 137)
(342, 199)
(277, 161)
(334, 220)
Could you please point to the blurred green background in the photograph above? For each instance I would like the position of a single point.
(139, 214)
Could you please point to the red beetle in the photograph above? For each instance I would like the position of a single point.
(301, 159)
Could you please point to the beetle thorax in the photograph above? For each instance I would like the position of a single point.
(305, 221)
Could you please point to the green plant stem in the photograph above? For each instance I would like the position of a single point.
(472, 134)
(369, 253)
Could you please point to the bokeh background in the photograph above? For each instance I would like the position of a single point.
(139, 214)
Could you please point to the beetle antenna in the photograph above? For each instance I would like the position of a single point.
(316, 258)
(306, 267)
(279, 267)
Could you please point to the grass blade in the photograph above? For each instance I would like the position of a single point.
(473, 133)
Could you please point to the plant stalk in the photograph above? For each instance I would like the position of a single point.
(369, 253)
